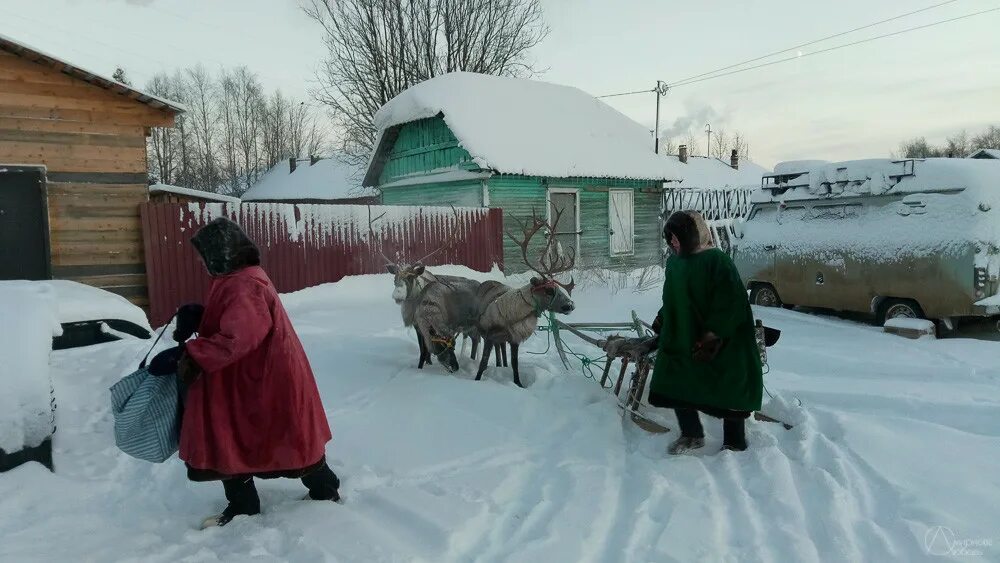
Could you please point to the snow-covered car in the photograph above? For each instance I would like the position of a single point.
(28, 324)
(89, 315)
(897, 238)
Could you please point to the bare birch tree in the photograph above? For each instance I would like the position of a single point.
(741, 146)
(720, 144)
(378, 48)
(693, 143)
(231, 132)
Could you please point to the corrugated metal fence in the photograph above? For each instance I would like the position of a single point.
(306, 245)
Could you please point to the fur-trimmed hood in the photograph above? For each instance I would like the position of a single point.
(225, 248)
(691, 230)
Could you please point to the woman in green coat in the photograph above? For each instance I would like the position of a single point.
(707, 358)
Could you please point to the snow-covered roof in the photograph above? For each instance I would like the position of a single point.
(986, 153)
(712, 173)
(167, 188)
(30, 53)
(327, 179)
(518, 126)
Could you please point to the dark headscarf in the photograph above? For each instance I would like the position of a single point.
(225, 248)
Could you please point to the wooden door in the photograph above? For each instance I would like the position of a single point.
(621, 222)
(567, 231)
(24, 242)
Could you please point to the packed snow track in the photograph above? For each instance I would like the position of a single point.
(893, 457)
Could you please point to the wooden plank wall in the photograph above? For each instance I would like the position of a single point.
(93, 144)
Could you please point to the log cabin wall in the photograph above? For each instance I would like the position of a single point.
(92, 141)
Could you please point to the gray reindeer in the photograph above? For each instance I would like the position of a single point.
(411, 282)
(445, 310)
(511, 317)
(410, 285)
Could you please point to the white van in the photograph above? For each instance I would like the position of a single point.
(896, 238)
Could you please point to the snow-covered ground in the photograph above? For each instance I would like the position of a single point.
(894, 457)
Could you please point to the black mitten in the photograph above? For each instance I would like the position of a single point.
(657, 324)
(165, 363)
(188, 320)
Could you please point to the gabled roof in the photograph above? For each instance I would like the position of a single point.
(178, 190)
(711, 173)
(986, 153)
(326, 179)
(517, 126)
(35, 55)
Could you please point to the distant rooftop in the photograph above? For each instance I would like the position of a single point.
(211, 196)
(324, 179)
(986, 153)
(710, 173)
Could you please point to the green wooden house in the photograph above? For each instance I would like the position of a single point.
(524, 146)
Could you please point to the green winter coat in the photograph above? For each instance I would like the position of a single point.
(706, 288)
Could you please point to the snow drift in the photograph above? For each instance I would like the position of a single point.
(26, 329)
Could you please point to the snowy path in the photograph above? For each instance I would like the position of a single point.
(895, 438)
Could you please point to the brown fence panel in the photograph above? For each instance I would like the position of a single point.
(306, 245)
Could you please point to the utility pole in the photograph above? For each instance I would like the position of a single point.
(660, 91)
(708, 147)
(656, 132)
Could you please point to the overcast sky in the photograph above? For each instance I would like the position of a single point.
(857, 102)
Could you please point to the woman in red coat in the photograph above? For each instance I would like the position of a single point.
(252, 408)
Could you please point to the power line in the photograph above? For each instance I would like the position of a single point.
(845, 45)
(815, 41)
(693, 79)
(628, 93)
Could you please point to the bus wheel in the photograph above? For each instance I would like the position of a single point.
(899, 309)
(764, 295)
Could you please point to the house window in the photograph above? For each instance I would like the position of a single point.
(621, 222)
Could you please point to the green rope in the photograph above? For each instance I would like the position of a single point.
(587, 363)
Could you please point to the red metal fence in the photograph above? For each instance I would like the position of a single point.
(306, 245)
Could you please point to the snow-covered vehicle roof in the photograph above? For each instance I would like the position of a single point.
(825, 180)
(519, 126)
(941, 206)
(711, 173)
(326, 179)
(77, 302)
(178, 190)
(798, 165)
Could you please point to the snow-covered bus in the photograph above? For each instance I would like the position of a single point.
(897, 238)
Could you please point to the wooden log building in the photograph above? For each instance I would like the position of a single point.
(89, 133)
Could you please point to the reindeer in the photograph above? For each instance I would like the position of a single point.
(411, 281)
(512, 316)
(410, 284)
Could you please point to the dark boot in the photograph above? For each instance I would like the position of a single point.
(692, 433)
(243, 499)
(734, 434)
(323, 484)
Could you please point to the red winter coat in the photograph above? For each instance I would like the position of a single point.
(255, 409)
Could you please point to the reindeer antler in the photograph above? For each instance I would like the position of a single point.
(550, 262)
(371, 236)
(449, 240)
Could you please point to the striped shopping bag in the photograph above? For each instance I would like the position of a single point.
(145, 409)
